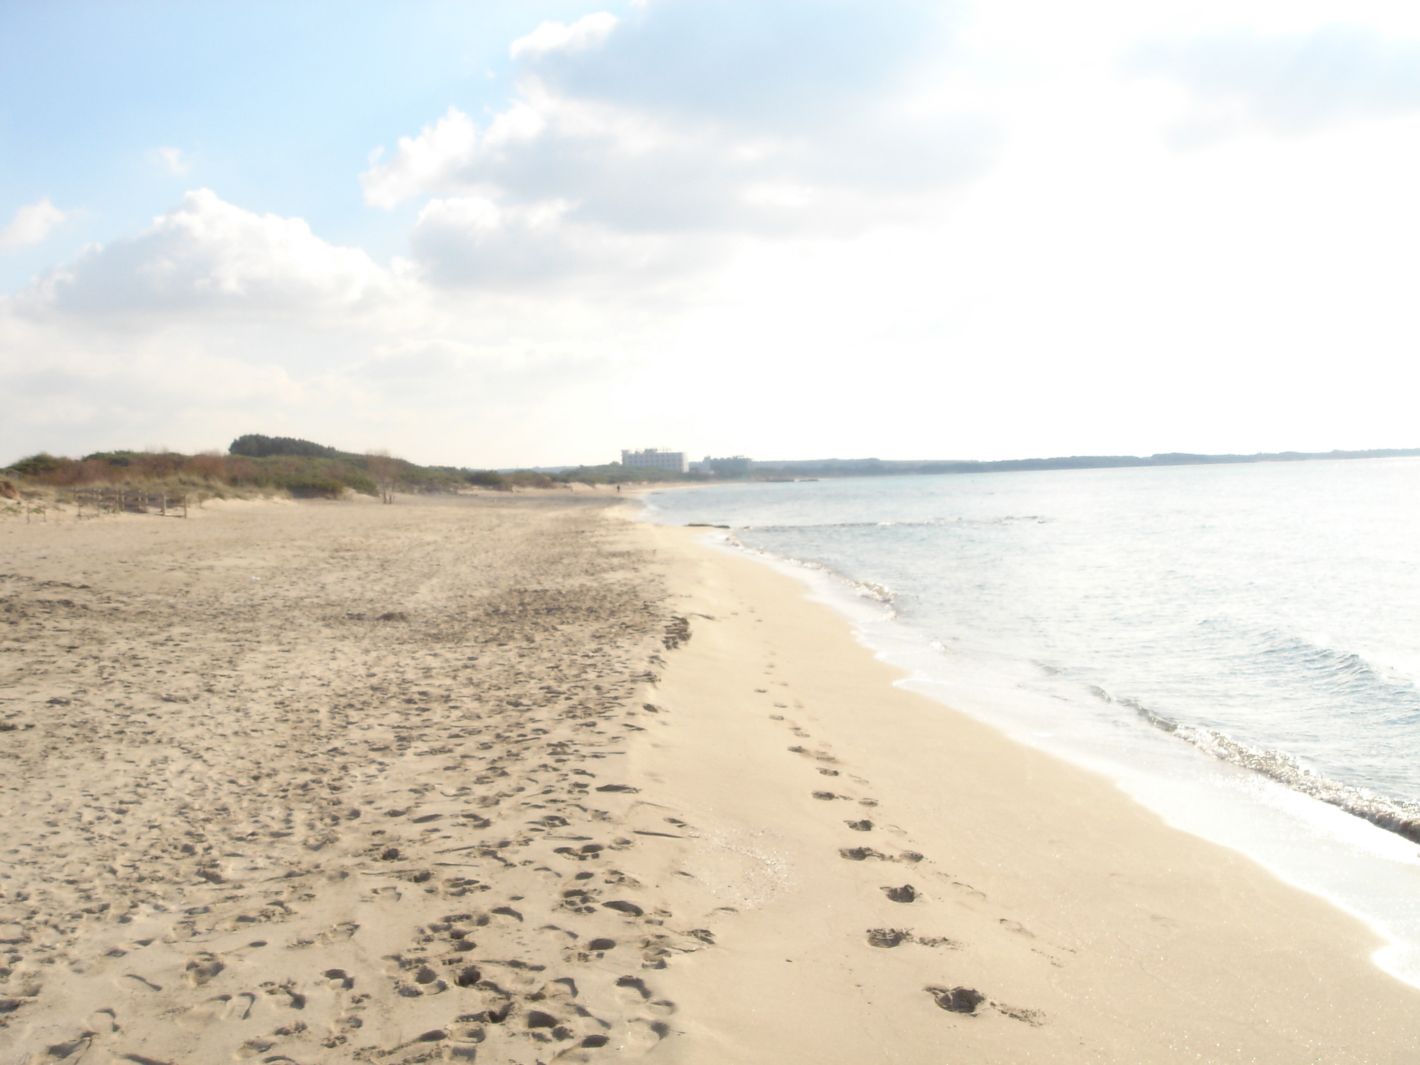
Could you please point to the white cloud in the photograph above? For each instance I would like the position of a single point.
(824, 202)
(586, 33)
(690, 125)
(208, 255)
(629, 172)
(31, 224)
(173, 160)
(215, 320)
(422, 163)
(634, 173)
(472, 241)
(1289, 82)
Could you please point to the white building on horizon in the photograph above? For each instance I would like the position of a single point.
(654, 458)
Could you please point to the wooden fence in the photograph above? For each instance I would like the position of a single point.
(101, 501)
(31, 511)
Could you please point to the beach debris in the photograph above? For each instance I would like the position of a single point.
(905, 893)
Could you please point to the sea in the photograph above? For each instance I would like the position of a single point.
(1237, 647)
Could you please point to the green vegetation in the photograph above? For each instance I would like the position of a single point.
(257, 464)
(256, 446)
(212, 473)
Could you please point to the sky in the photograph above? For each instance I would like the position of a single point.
(532, 233)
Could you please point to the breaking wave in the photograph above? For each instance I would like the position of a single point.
(1393, 815)
(863, 589)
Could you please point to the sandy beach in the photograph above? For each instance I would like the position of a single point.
(516, 779)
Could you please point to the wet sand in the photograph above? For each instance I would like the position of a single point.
(910, 885)
(519, 780)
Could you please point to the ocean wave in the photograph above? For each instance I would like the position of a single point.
(1402, 818)
(1393, 815)
(864, 589)
(1160, 721)
(1336, 667)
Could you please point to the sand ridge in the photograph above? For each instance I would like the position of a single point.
(328, 783)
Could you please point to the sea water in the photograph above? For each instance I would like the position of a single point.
(1236, 646)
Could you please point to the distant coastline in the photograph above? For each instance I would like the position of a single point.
(870, 467)
(302, 469)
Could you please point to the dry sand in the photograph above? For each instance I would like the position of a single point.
(447, 780)
(325, 783)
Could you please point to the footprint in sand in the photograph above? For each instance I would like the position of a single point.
(888, 937)
(863, 854)
(642, 1035)
(219, 1008)
(893, 937)
(201, 969)
(622, 906)
(964, 1000)
(286, 990)
(339, 979)
(635, 990)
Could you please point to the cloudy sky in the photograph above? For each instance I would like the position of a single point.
(535, 233)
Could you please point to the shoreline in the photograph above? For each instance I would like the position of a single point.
(1353, 862)
(519, 780)
(1093, 930)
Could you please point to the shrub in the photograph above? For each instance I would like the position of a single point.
(257, 446)
(37, 467)
(485, 479)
